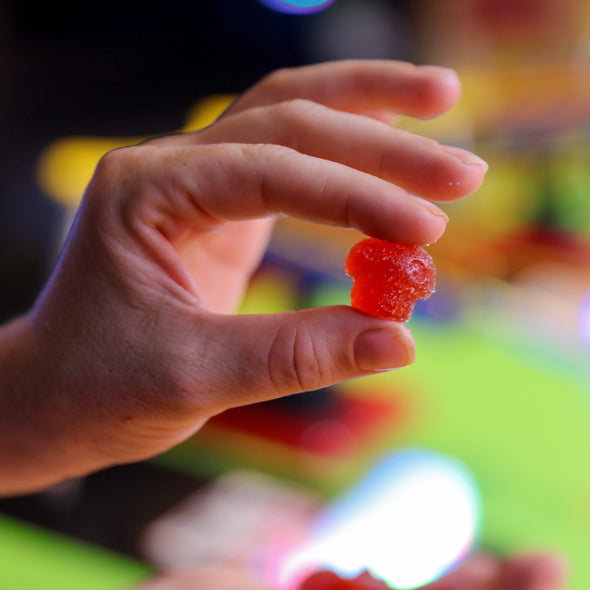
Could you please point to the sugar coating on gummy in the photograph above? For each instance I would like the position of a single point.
(388, 278)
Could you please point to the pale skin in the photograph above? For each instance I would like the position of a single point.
(132, 344)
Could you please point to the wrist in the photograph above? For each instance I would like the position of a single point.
(37, 420)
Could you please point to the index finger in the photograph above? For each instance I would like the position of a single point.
(361, 86)
(176, 187)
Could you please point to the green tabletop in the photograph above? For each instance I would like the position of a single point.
(32, 558)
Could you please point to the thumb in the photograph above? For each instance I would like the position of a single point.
(275, 355)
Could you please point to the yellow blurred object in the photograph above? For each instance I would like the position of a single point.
(206, 111)
(270, 292)
(510, 99)
(66, 165)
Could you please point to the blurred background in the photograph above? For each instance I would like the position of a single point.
(495, 413)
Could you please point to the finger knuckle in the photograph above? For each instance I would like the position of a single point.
(275, 79)
(268, 154)
(297, 108)
(293, 363)
(113, 161)
(114, 170)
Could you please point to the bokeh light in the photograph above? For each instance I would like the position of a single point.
(298, 6)
(407, 522)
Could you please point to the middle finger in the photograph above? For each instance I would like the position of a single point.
(417, 164)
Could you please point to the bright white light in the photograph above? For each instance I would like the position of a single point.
(407, 522)
(298, 6)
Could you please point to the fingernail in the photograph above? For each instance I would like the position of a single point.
(465, 157)
(438, 71)
(432, 208)
(383, 349)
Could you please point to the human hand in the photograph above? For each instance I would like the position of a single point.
(131, 347)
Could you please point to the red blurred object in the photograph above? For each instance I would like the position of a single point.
(327, 580)
(330, 431)
(499, 12)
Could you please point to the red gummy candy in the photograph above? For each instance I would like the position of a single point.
(389, 278)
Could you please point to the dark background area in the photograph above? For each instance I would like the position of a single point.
(108, 68)
(113, 68)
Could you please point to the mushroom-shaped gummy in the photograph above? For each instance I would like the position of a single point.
(388, 278)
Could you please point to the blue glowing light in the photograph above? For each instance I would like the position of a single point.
(298, 6)
(407, 522)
